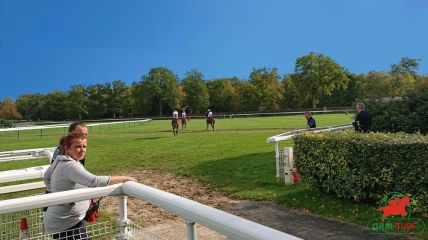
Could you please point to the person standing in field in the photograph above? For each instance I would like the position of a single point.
(311, 123)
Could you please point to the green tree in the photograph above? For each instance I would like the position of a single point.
(140, 105)
(98, 101)
(406, 65)
(30, 106)
(197, 96)
(340, 96)
(9, 110)
(119, 98)
(223, 95)
(403, 84)
(246, 95)
(78, 100)
(161, 86)
(267, 88)
(291, 96)
(56, 106)
(375, 85)
(317, 75)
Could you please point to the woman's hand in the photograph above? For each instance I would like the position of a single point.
(121, 179)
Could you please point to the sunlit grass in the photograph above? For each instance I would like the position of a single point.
(234, 159)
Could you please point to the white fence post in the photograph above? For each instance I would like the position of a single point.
(123, 218)
(277, 159)
(288, 165)
(190, 230)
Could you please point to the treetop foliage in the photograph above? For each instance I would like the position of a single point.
(317, 81)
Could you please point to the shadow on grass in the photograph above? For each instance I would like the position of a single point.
(241, 173)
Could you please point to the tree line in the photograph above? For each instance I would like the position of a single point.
(317, 81)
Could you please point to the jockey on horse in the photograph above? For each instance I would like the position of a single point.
(183, 119)
(210, 119)
(174, 122)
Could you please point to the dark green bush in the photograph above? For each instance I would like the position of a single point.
(409, 114)
(364, 167)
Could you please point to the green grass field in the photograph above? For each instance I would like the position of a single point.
(234, 159)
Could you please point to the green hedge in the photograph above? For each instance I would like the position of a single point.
(409, 114)
(364, 167)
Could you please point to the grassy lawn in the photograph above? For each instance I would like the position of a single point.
(234, 159)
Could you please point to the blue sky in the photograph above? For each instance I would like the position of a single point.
(50, 45)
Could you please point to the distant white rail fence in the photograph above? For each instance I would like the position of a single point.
(65, 126)
(284, 159)
(192, 212)
(261, 114)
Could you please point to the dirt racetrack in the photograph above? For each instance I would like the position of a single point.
(292, 221)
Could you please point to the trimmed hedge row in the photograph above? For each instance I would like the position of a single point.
(364, 167)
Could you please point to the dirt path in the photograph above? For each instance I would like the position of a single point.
(291, 221)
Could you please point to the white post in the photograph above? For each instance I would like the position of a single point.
(123, 218)
(277, 160)
(288, 165)
(190, 230)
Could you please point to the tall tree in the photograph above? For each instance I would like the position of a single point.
(161, 85)
(30, 106)
(318, 75)
(291, 96)
(140, 105)
(78, 100)
(375, 85)
(268, 89)
(406, 65)
(8, 110)
(222, 94)
(119, 98)
(246, 92)
(56, 106)
(197, 96)
(98, 101)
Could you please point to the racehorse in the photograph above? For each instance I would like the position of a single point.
(175, 124)
(184, 122)
(210, 121)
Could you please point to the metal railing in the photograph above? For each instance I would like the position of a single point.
(284, 158)
(67, 125)
(26, 154)
(192, 212)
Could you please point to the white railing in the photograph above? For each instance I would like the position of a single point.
(41, 127)
(26, 154)
(291, 134)
(192, 212)
(284, 160)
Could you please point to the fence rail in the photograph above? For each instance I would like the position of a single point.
(230, 225)
(284, 159)
(67, 125)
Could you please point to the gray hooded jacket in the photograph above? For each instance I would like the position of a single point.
(68, 174)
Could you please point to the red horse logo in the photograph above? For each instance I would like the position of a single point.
(395, 206)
